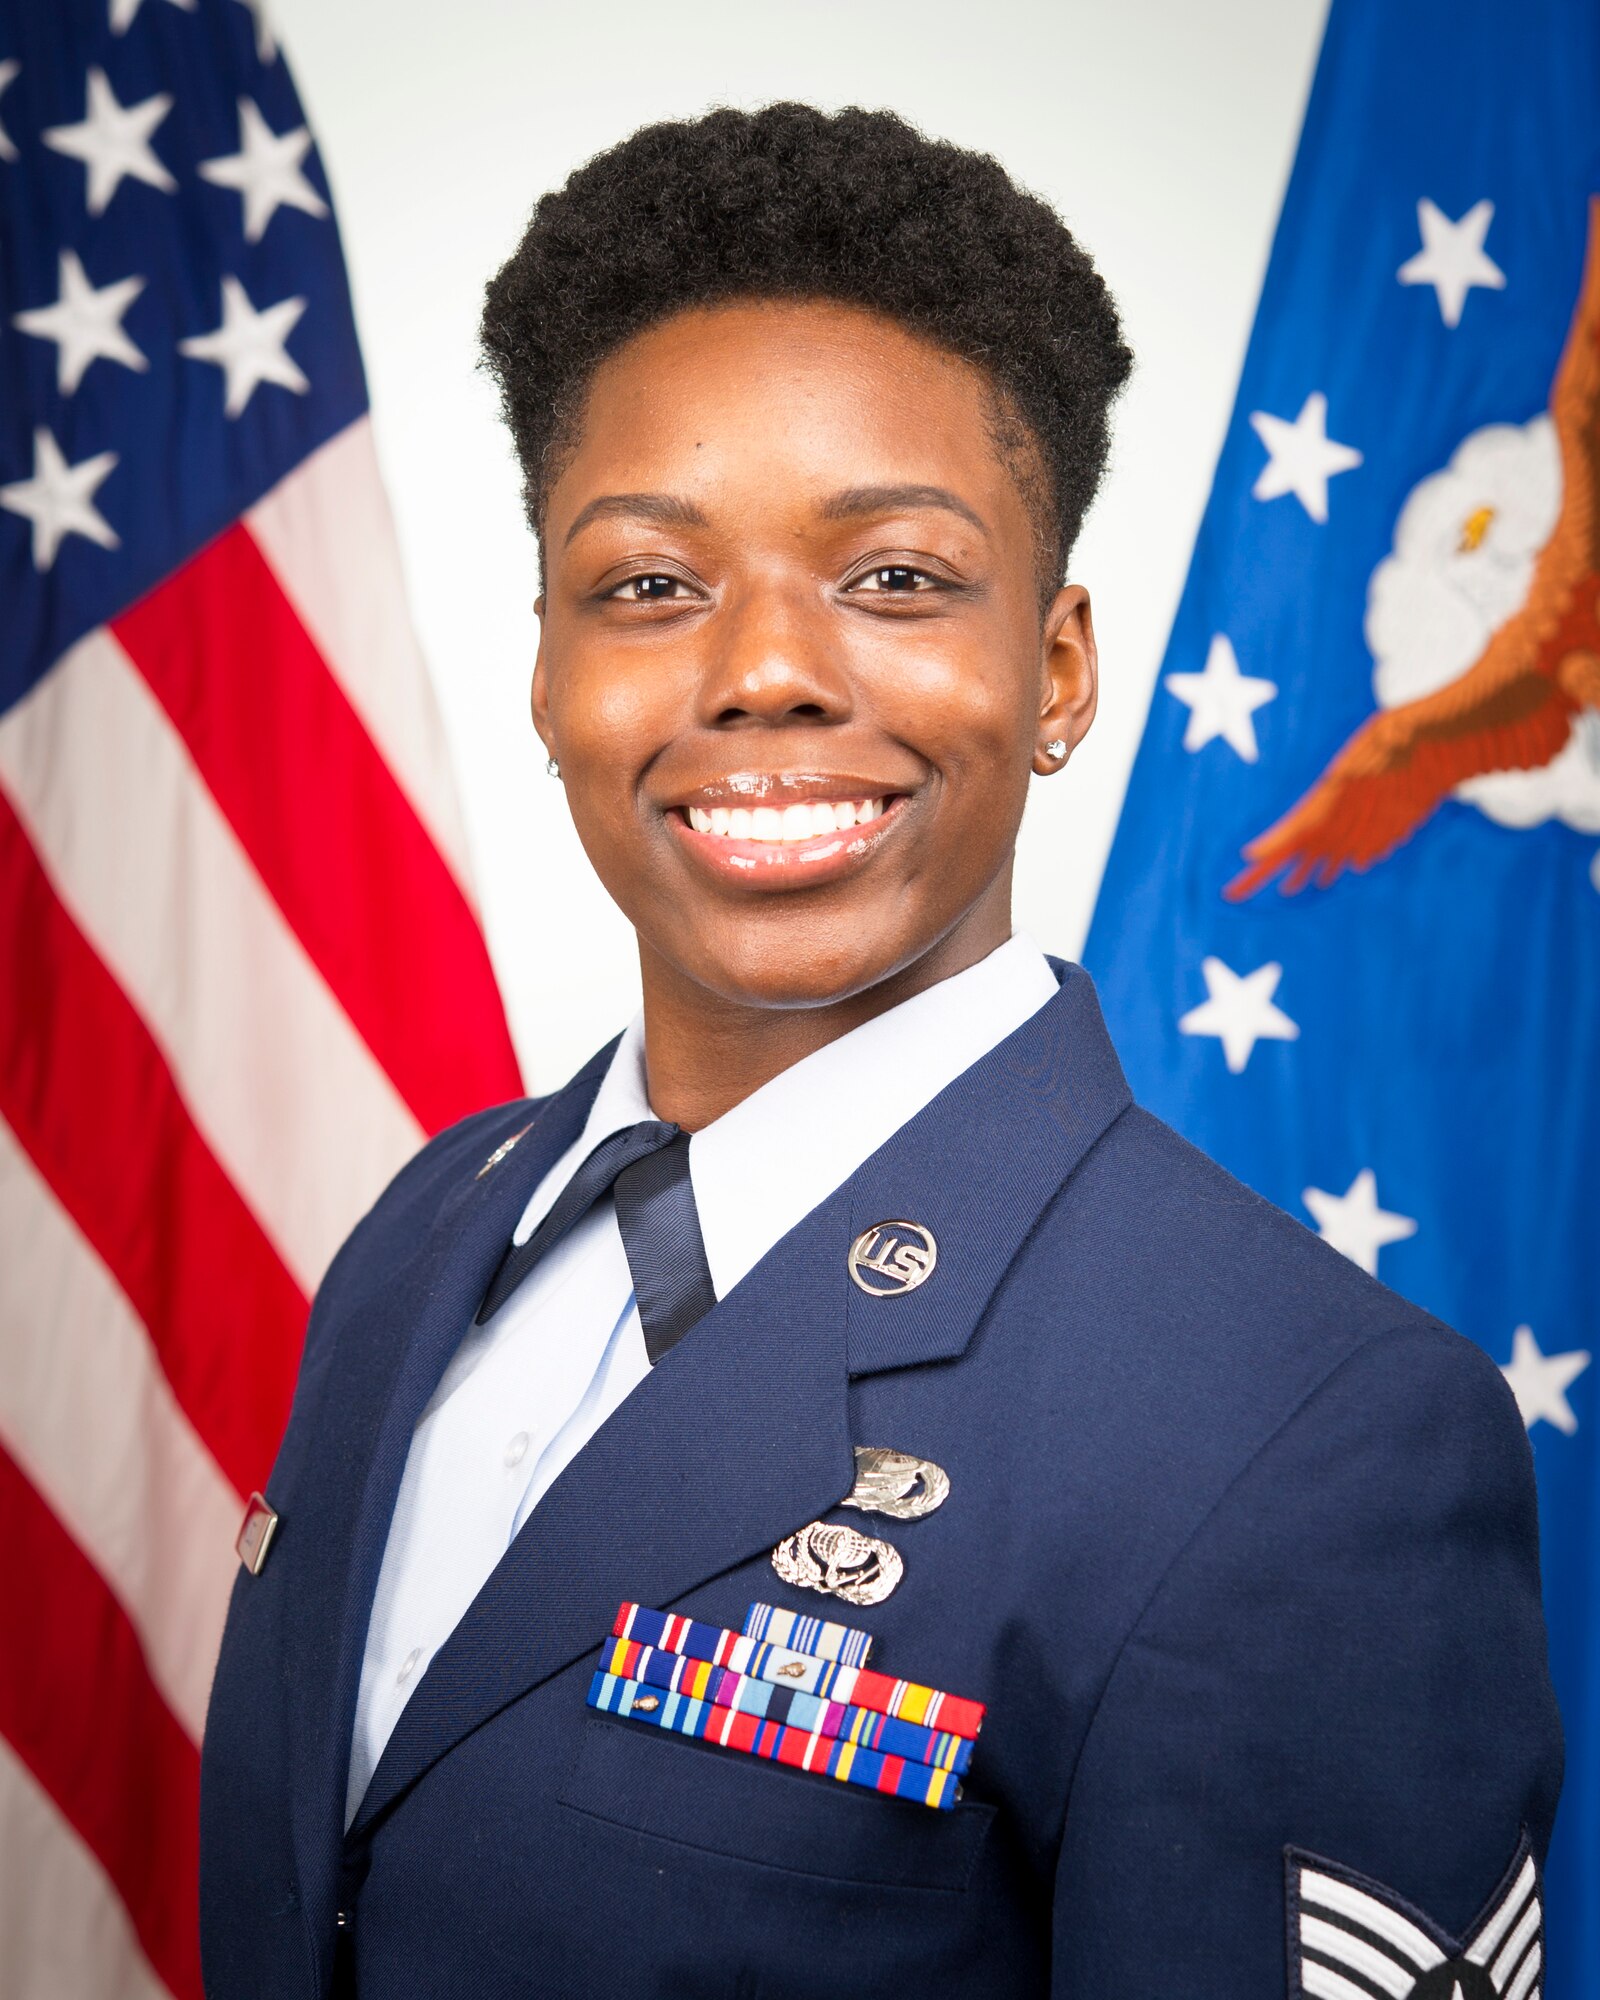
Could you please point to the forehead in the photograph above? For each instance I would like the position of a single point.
(791, 398)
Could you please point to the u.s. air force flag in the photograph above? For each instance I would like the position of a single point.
(1382, 695)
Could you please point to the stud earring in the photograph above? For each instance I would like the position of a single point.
(1055, 747)
(552, 768)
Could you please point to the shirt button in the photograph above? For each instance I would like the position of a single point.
(516, 1450)
(408, 1666)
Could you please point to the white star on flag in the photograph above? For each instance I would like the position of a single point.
(1452, 258)
(113, 141)
(59, 499)
(1540, 1381)
(249, 346)
(123, 12)
(266, 171)
(266, 41)
(1354, 1223)
(10, 69)
(85, 324)
(1239, 1011)
(1221, 701)
(1301, 457)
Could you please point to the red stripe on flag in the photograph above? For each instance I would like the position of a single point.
(327, 826)
(79, 1708)
(93, 1103)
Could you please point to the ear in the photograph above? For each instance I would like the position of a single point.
(540, 694)
(1069, 678)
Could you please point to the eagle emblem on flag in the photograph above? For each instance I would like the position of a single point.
(1350, 1938)
(1485, 624)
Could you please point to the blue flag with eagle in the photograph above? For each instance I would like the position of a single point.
(1348, 939)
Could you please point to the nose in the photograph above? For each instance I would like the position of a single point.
(774, 660)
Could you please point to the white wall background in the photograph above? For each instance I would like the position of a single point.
(1163, 131)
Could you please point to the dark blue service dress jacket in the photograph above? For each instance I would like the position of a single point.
(1240, 1551)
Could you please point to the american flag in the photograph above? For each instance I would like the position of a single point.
(243, 973)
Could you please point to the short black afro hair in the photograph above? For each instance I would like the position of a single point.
(792, 202)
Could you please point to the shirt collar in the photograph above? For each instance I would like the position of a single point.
(764, 1165)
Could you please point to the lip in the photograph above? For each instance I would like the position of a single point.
(779, 865)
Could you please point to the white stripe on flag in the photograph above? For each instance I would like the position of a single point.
(64, 1933)
(89, 1417)
(328, 533)
(288, 1096)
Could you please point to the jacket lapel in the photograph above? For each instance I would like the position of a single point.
(386, 1361)
(741, 1434)
(975, 1168)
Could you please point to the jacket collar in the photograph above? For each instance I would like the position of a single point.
(741, 1434)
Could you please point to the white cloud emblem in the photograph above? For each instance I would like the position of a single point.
(1464, 552)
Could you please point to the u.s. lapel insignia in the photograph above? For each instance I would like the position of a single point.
(892, 1258)
(896, 1484)
(501, 1150)
(839, 1561)
(1349, 1934)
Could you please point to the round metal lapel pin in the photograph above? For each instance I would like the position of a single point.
(892, 1258)
(840, 1562)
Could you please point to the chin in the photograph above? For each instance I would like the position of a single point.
(800, 963)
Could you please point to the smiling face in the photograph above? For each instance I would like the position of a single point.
(792, 661)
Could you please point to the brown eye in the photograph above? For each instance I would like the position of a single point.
(894, 577)
(647, 589)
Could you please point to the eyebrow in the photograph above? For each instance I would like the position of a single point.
(666, 510)
(897, 499)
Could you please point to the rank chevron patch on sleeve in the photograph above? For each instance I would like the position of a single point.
(1350, 1938)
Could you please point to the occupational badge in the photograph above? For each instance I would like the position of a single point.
(1349, 1934)
(839, 1561)
(895, 1483)
(892, 1258)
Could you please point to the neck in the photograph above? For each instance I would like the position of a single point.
(705, 1052)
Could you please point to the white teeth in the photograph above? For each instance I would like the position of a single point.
(793, 823)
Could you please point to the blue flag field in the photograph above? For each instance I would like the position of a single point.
(1348, 939)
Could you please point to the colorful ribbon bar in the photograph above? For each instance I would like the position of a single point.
(819, 1636)
(722, 1687)
(800, 1749)
(759, 1659)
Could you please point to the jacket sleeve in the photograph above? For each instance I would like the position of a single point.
(1347, 1658)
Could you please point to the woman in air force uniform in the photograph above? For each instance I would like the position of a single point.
(837, 1499)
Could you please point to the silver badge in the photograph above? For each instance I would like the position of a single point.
(840, 1562)
(892, 1258)
(895, 1483)
(501, 1150)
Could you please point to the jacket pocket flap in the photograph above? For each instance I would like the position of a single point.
(751, 1810)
